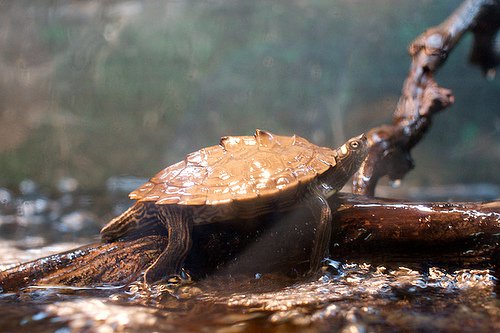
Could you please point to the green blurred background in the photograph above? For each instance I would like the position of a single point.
(94, 89)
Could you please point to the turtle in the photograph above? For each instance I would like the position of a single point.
(244, 177)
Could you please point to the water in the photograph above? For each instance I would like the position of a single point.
(358, 298)
(383, 295)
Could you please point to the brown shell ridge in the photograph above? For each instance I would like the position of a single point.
(265, 138)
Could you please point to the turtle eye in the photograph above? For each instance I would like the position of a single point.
(354, 144)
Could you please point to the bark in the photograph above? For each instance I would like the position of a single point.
(461, 231)
(422, 97)
(94, 264)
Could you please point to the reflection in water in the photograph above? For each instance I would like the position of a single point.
(101, 314)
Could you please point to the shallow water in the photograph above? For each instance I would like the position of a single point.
(353, 297)
(346, 296)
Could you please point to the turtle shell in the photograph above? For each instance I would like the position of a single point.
(239, 169)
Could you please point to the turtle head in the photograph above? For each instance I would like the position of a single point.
(348, 158)
(352, 153)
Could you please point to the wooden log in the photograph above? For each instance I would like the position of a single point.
(363, 227)
(94, 264)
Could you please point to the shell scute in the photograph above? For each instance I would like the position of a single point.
(285, 179)
(230, 143)
(189, 176)
(197, 158)
(168, 173)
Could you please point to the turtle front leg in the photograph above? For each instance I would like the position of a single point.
(170, 261)
(322, 216)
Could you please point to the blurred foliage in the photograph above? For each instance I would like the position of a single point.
(136, 85)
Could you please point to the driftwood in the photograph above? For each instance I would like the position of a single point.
(112, 263)
(422, 98)
(362, 225)
(461, 231)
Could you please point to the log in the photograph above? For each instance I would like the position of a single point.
(364, 227)
(116, 263)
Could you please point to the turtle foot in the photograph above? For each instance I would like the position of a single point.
(151, 277)
(179, 279)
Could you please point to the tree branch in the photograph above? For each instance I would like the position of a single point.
(390, 145)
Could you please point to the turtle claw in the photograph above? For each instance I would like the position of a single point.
(172, 280)
(182, 278)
